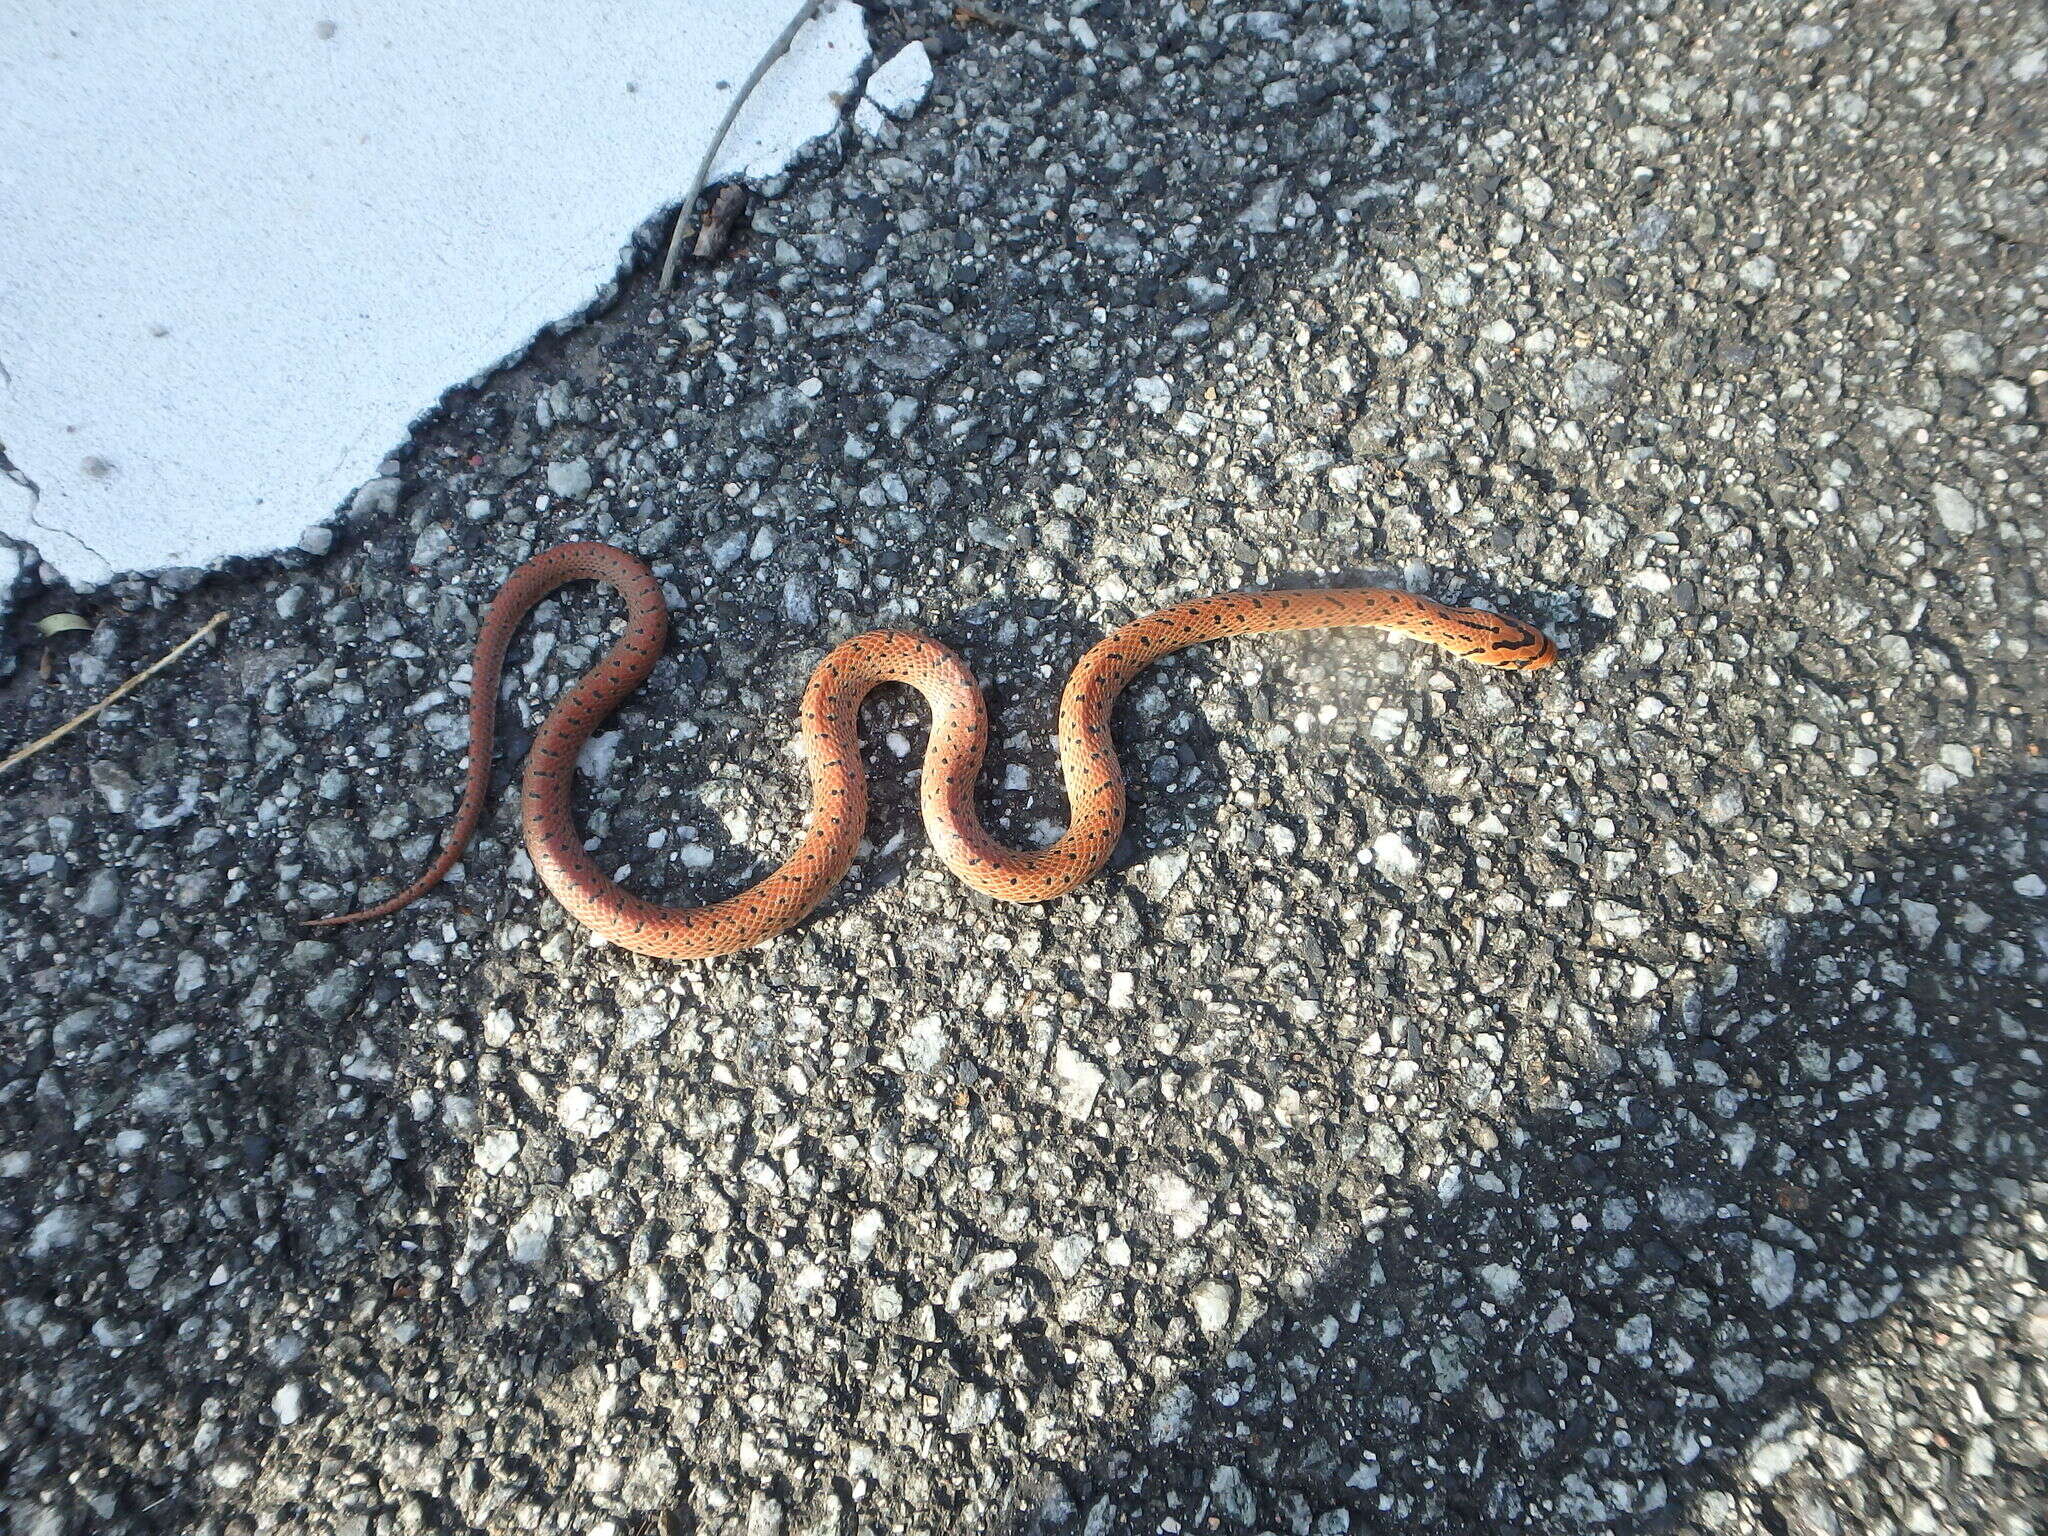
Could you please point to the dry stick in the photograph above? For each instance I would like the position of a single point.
(966, 10)
(119, 693)
(719, 219)
(775, 51)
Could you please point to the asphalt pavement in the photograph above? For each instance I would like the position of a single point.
(1606, 1100)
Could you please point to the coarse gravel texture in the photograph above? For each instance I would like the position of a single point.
(1600, 1101)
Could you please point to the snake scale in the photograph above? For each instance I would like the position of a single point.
(828, 724)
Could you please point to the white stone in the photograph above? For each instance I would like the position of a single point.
(1383, 1148)
(1533, 196)
(1937, 780)
(1394, 856)
(595, 759)
(1738, 1377)
(496, 1149)
(1739, 1142)
(900, 85)
(1772, 1456)
(1175, 1198)
(1923, 920)
(1622, 921)
(1069, 1253)
(764, 1516)
(923, 1045)
(59, 1229)
(1080, 1080)
(583, 1114)
(867, 1229)
(1213, 1301)
(1772, 1271)
(885, 1304)
(529, 1237)
(1958, 513)
(571, 478)
(1170, 1418)
(1964, 352)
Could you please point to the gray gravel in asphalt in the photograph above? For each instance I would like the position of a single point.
(1600, 1101)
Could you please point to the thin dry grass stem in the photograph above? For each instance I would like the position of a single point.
(967, 10)
(684, 214)
(117, 695)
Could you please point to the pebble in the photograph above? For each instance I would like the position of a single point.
(899, 85)
(583, 1115)
(912, 350)
(102, 895)
(923, 1047)
(376, 498)
(571, 478)
(1958, 513)
(1963, 352)
(1176, 1199)
(1080, 1081)
(530, 1237)
(1395, 857)
(1771, 1273)
(495, 1151)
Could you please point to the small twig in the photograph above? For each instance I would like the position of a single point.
(119, 693)
(775, 51)
(967, 10)
(719, 219)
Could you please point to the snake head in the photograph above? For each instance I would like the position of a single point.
(1520, 648)
(1495, 640)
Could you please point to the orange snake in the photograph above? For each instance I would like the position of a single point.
(829, 730)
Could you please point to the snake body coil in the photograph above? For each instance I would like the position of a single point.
(828, 728)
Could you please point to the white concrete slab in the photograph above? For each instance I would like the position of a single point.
(248, 242)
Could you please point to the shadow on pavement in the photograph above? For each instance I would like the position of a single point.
(1676, 1240)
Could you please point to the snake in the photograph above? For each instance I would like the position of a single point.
(828, 722)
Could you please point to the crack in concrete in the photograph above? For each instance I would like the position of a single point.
(15, 473)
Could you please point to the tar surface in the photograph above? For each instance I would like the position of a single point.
(1602, 1100)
